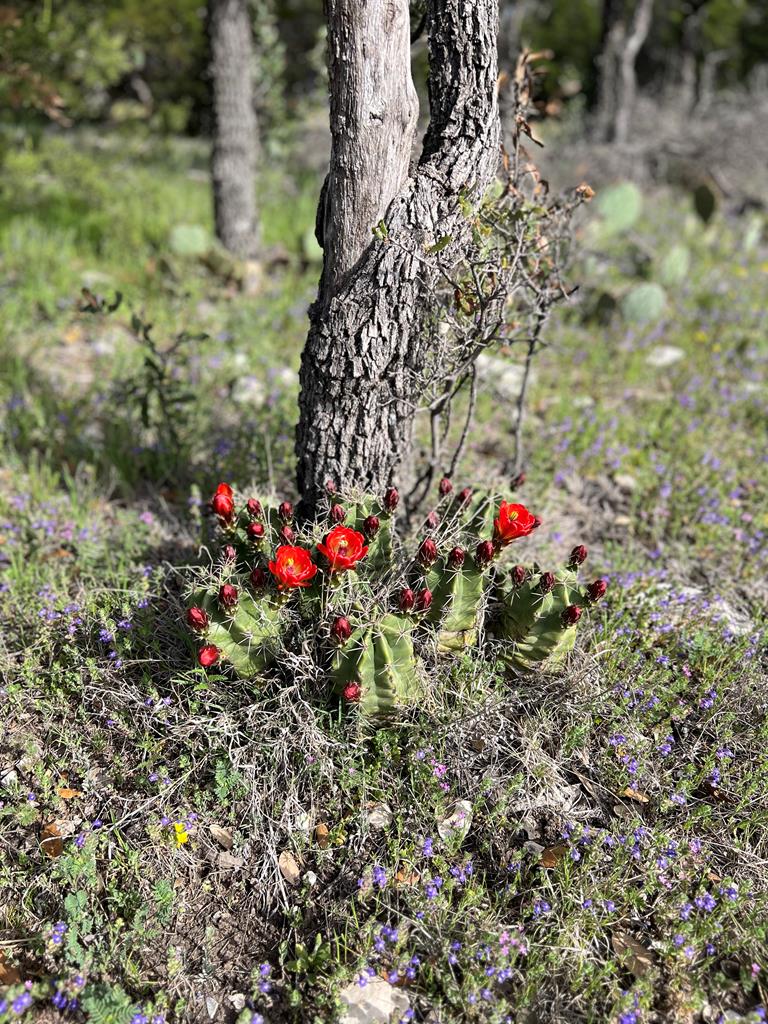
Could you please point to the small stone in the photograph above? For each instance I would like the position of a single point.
(222, 837)
(379, 816)
(237, 1000)
(376, 1002)
(289, 869)
(211, 1006)
(458, 821)
(625, 482)
(229, 862)
(501, 376)
(664, 355)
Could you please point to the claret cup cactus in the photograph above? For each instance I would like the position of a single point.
(371, 609)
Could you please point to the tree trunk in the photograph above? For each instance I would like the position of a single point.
(621, 41)
(638, 33)
(235, 139)
(363, 365)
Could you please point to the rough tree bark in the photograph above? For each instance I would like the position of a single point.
(625, 27)
(235, 138)
(364, 359)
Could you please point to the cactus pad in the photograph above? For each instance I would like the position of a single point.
(456, 598)
(532, 621)
(380, 658)
(248, 638)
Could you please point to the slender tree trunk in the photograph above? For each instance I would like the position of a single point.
(363, 364)
(625, 28)
(235, 139)
(638, 33)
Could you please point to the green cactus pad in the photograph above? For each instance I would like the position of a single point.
(379, 547)
(456, 598)
(248, 638)
(380, 658)
(533, 624)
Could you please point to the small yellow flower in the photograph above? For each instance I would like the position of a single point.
(181, 836)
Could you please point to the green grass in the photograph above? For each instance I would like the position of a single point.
(610, 805)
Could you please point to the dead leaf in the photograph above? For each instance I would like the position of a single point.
(552, 855)
(50, 840)
(289, 869)
(222, 836)
(405, 876)
(634, 794)
(68, 794)
(322, 834)
(8, 975)
(229, 862)
(636, 957)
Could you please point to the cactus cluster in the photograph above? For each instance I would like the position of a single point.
(371, 609)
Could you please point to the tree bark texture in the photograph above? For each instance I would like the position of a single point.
(235, 138)
(363, 365)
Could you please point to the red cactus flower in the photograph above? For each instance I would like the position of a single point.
(343, 548)
(406, 600)
(391, 499)
(571, 615)
(285, 511)
(258, 579)
(596, 590)
(423, 600)
(578, 555)
(371, 526)
(197, 619)
(338, 513)
(519, 575)
(513, 521)
(484, 553)
(223, 503)
(456, 558)
(427, 554)
(254, 508)
(228, 596)
(208, 655)
(353, 692)
(341, 630)
(255, 531)
(445, 487)
(546, 582)
(292, 567)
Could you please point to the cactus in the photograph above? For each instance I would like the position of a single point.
(644, 303)
(379, 544)
(674, 266)
(380, 658)
(457, 594)
(619, 207)
(534, 618)
(247, 637)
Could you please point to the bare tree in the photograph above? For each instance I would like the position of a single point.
(625, 27)
(235, 139)
(382, 227)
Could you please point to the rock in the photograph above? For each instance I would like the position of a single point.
(379, 816)
(211, 1006)
(237, 1001)
(501, 376)
(457, 822)
(625, 482)
(377, 1002)
(664, 355)
(289, 869)
(94, 278)
(229, 861)
(222, 836)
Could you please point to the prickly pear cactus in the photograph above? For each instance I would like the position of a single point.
(457, 595)
(533, 619)
(248, 635)
(381, 660)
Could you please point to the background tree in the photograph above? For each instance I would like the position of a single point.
(235, 138)
(625, 27)
(363, 364)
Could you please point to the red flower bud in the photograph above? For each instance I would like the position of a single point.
(258, 579)
(285, 511)
(546, 582)
(423, 600)
(223, 505)
(371, 526)
(255, 531)
(445, 487)
(484, 553)
(578, 555)
(254, 508)
(227, 596)
(197, 619)
(391, 499)
(518, 481)
(465, 496)
(571, 615)
(352, 692)
(341, 630)
(287, 534)
(407, 599)
(208, 655)
(427, 552)
(536, 522)
(519, 575)
(456, 558)
(330, 487)
(229, 554)
(432, 521)
(338, 513)
(225, 489)
(597, 589)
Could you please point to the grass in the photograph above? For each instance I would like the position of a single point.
(611, 864)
